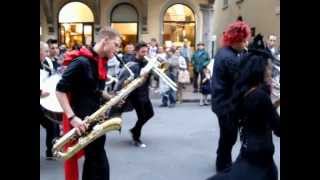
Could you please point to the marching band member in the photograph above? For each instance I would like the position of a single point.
(139, 98)
(52, 129)
(79, 93)
(52, 59)
(225, 69)
(257, 118)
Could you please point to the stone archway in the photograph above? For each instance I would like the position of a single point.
(192, 6)
(75, 24)
(138, 5)
(179, 25)
(125, 19)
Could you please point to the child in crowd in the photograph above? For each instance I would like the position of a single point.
(205, 87)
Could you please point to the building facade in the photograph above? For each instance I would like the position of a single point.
(168, 21)
(263, 16)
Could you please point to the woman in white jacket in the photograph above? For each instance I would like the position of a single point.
(183, 75)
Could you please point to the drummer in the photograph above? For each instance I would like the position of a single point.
(52, 58)
(52, 129)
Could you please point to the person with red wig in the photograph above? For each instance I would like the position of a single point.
(225, 70)
(251, 106)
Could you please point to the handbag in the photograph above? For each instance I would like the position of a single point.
(183, 76)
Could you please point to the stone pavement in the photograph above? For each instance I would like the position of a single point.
(187, 95)
(181, 144)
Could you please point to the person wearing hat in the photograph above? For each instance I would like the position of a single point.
(200, 59)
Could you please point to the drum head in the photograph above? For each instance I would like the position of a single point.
(54, 117)
(51, 102)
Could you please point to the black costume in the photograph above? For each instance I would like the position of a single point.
(139, 98)
(258, 119)
(54, 64)
(80, 81)
(225, 69)
(52, 132)
(258, 43)
(205, 87)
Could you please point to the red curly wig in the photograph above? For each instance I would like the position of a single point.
(238, 31)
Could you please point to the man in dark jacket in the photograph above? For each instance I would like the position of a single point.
(225, 71)
(129, 54)
(139, 98)
(200, 59)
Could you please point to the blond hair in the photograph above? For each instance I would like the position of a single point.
(107, 32)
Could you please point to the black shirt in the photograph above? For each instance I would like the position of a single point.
(226, 66)
(259, 120)
(80, 80)
(142, 92)
(54, 63)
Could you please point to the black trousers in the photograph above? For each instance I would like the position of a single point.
(228, 136)
(52, 131)
(96, 165)
(195, 79)
(243, 169)
(144, 112)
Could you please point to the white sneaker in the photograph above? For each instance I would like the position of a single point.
(139, 144)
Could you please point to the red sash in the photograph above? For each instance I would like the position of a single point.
(102, 71)
(71, 165)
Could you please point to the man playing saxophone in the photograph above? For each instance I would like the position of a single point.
(79, 93)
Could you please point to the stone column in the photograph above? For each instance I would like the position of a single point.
(97, 12)
(97, 26)
(207, 26)
(144, 24)
(52, 21)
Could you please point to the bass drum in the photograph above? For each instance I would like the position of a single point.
(52, 116)
(50, 104)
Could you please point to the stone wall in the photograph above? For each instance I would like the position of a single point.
(264, 15)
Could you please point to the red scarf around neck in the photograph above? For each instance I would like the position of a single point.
(101, 61)
(71, 165)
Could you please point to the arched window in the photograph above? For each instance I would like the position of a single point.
(179, 25)
(76, 24)
(125, 19)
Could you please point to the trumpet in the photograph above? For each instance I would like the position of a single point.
(153, 65)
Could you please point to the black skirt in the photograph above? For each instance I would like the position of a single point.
(245, 170)
(205, 88)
